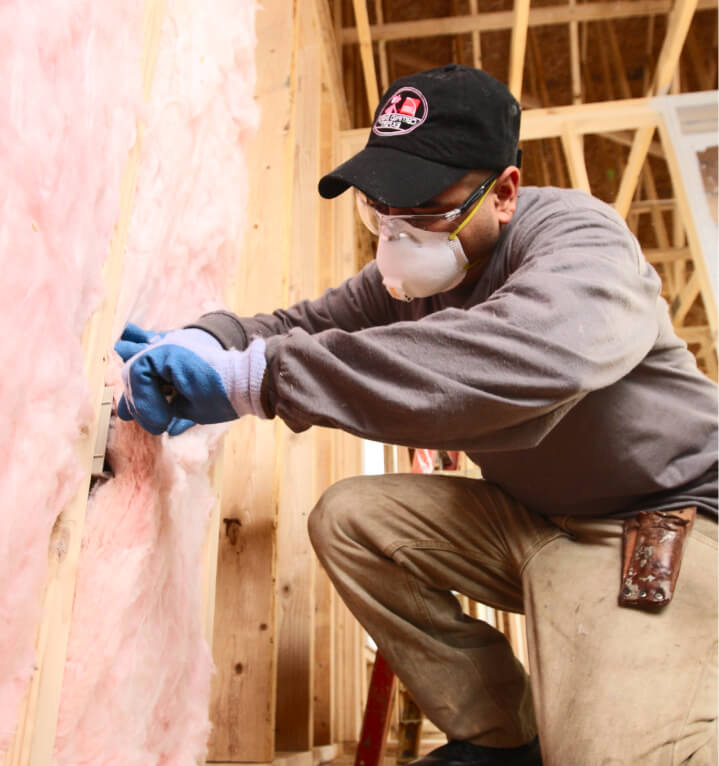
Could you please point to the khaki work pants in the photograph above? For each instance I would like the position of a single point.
(609, 685)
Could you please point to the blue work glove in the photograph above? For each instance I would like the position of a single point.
(133, 340)
(188, 375)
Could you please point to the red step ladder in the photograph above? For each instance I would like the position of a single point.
(383, 682)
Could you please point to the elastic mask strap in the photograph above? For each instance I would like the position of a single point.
(453, 235)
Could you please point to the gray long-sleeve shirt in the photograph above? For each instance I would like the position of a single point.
(558, 372)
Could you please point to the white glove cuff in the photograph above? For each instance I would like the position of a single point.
(257, 367)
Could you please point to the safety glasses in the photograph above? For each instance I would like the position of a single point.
(373, 213)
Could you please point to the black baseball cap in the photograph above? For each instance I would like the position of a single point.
(429, 130)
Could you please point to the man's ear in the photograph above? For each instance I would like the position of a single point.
(505, 194)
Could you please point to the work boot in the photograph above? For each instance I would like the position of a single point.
(460, 753)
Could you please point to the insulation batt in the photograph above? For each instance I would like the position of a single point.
(136, 684)
(67, 122)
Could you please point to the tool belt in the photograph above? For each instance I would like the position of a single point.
(653, 542)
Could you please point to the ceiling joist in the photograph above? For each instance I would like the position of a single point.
(499, 20)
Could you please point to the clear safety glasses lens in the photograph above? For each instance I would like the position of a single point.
(372, 214)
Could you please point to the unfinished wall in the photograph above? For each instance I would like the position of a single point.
(115, 646)
(68, 118)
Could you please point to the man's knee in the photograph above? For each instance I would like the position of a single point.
(350, 510)
(332, 513)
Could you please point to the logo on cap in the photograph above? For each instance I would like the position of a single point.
(404, 111)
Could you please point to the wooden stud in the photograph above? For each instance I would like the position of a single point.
(574, 152)
(340, 699)
(518, 47)
(34, 738)
(635, 163)
(624, 138)
(295, 558)
(457, 42)
(677, 28)
(646, 205)
(683, 301)
(667, 254)
(325, 686)
(476, 41)
(332, 63)
(574, 59)
(245, 636)
(658, 222)
(678, 269)
(326, 445)
(382, 49)
(365, 43)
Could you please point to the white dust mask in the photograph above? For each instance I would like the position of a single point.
(415, 263)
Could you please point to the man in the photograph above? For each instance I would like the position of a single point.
(526, 328)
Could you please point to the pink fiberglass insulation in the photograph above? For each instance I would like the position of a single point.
(136, 686)
(67, 121)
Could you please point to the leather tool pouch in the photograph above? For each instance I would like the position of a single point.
(653, 543)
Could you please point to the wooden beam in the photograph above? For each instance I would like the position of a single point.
(332, 63)
(624, 138)
(574, 59)
(382, 48)
(498, 20)
(684, 300)
(574, 152)
(518, 47)
(34, 738)
(635, 163)
(667, 254)
(695, 333)
(243, 688)
(603, 117)
(365, 41)
(599, 117)
(296, 456)
(658, 222)
(476, 40)
(677, 28)
(647, 205)
(325, 686)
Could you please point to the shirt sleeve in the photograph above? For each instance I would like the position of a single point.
(354, 305)
(576, 312)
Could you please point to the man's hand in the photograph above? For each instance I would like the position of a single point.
(133, 340)
(186, 375)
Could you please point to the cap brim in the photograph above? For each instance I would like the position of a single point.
(394, 178)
